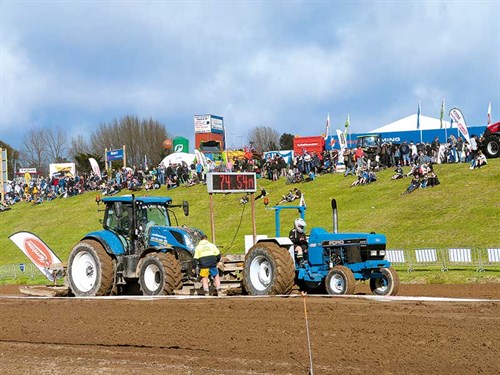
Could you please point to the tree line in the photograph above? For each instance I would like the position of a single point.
(143, 139)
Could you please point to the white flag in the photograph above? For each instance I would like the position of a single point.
(327, 127)
(489, 113)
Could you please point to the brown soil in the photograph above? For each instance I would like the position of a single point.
(244, 335)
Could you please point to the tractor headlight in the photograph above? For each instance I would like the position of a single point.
(373, 253)
(382, 253)
(188, 242)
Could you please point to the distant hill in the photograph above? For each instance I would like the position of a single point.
(463, 211)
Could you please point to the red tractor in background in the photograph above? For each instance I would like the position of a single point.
(491, 140)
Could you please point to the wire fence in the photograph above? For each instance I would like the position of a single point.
(416, 259)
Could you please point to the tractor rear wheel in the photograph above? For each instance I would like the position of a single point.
(90, 270)
(340, 280)
(269, 270)
(387, 285)
(159, 274)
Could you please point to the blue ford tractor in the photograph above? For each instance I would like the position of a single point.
(141, 246)
(334, 261)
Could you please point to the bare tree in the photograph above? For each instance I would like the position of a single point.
(263, 138)
(79, 146)
(56, 145)
(142, 138)
(33, 154)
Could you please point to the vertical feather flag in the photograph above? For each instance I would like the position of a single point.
(489, 113)
(347, 124)
(327, 127)
(418, 116)
(442, 115)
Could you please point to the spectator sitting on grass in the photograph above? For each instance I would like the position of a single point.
(479, 161)
(291, 196)
(398, 173)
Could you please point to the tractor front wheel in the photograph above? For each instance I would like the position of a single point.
(269, 270)
(387, 285)
(90, 270)
(339, 281)
(492, 146)
(159, 274)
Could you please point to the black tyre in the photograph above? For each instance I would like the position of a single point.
(90, 270)
(159, 274)
(387, 285)
(312, 287)
(339, 281)
(269, 270)
(492, 146)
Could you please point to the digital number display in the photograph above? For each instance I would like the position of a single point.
(231, 182)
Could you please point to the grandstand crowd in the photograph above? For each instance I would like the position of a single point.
(302, 167)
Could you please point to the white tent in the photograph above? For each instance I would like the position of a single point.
(410, 123)
(178, 158)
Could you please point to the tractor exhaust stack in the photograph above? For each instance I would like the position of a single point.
(335, 217)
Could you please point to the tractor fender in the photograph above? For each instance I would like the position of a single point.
(283, 242)
(110, 241)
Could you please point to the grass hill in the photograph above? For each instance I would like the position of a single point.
(463, 211)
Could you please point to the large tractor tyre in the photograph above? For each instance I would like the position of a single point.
(269, 270)
(387, 285)
(339, 281)
(159, 274)
(492, 146)
(90, 270)
(312, 287)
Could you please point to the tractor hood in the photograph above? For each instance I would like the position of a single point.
(320, 236)
(179, 237)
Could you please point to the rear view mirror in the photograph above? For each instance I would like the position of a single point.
(185, 207)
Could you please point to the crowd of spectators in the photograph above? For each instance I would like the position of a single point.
(302, 167)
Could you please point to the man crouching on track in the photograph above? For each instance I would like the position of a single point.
(206, 257)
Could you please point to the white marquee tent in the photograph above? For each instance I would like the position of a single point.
(410, 123)
(178, 158)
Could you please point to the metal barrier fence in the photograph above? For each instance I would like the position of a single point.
(444, 259)
(427, 259)
(17, 271)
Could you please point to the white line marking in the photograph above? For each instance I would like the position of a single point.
(186, 297)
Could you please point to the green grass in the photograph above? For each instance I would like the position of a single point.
(463, 211)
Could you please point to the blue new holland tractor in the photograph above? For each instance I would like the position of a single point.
(141, 247)
(334, 261)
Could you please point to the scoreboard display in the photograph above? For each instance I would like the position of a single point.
(230, 182)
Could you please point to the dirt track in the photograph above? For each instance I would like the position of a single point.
(254, 336)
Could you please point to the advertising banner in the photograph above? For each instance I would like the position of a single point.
(37, 251)
(62, 168)
(114, 155)
(217, 124)
(95, 167)
(457, 116)
(202, 124)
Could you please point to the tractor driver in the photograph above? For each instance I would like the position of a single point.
(206, 256)
(298, 237)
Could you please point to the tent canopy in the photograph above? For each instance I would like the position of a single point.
(410, 123)
(178, 158)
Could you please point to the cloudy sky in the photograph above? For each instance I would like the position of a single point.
(283, 64)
